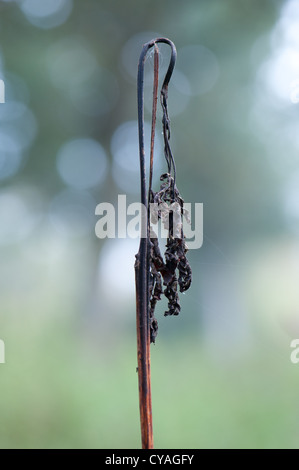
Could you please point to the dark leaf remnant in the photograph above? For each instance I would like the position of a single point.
(167, 273)
(173, 270)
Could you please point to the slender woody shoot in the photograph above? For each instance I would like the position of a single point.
(152, 271)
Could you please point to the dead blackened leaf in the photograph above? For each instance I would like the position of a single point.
(173, 270)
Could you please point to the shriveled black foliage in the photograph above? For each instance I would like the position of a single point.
(168, 206)
(168, 273)
(173, 270)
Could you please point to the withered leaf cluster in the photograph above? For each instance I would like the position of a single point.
(172, 271)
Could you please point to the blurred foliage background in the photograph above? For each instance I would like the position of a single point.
(221, 371)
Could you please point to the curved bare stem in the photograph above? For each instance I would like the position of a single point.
(142, 258)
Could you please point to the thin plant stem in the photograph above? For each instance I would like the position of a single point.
(154, 116)
(142, 266)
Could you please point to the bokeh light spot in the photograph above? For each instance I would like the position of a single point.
(46, 14)
(10, 156)
(17, 216)
(70, 61)
(201, 67)
(74, 69)
(82, 163)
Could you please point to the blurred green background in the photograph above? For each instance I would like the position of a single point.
(221, 370)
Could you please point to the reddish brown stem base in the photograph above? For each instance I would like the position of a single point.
(143, 356)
